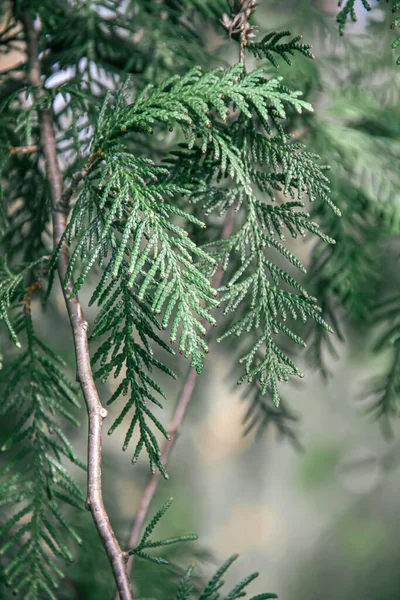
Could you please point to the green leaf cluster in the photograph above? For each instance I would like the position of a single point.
(35, 483)
(213, 587)
(145, 544)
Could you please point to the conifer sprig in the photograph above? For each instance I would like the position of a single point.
(213, 587)
(35, 483)
(122, 207)
(271, 44)
(269, 308)
(146, 544)
(189, 101)
(130, 331)
(258, 290)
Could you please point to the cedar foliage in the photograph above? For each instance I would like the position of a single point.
(153, 148)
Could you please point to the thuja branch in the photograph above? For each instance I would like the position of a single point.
(175, 424)
(238, 27)
(96, 412)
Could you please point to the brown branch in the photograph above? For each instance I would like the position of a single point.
(22, 149)
(237, 23)
(175, 424)
(96, 412)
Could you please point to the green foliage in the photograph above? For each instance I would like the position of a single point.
(25, 236)
(348, 11)
(211, 590)
(11, 286)
(130, 329)
(121, 210)
(345, 277)
(270, 305)
(150, 162)
(34, 482)
(271, 43)
(146, 544)
(12, 291)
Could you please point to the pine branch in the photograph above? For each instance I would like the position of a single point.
(96, 412)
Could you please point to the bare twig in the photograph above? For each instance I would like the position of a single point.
(23, 149)
(175, 424)
(237, 23)
(96, 412)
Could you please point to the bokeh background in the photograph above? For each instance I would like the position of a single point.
(317, 516)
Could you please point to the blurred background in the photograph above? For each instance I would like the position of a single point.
(316, 512)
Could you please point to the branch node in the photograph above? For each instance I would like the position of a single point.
(84, 324)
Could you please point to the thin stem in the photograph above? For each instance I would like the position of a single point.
(237, 23)
(175, 424)
(96, 412)
(23, 149)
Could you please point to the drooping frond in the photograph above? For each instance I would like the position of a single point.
(35, 483)
(259, 291)
(129, 329)
(121, 214)
(260, 284)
